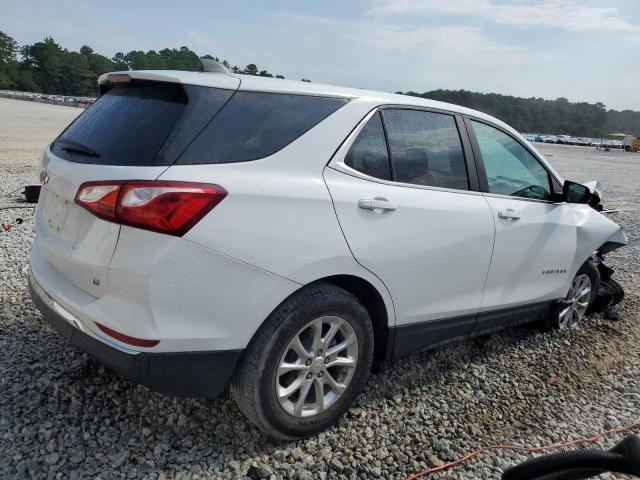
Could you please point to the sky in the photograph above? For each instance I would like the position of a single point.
(582, 50)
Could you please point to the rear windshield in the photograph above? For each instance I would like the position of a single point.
(140, 124)
(255, 125)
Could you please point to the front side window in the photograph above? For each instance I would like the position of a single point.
(368, 153)
(511, 169)
(425, 148)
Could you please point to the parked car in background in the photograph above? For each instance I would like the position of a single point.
(550, 139)
(200, 230)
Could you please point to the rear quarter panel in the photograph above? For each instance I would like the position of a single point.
(278, 214)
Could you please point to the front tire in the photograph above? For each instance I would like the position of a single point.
(306, 364)
(582, 292)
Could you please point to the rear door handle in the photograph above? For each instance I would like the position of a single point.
(377, 204)
(509, 214)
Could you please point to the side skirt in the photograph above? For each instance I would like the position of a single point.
(412, 338)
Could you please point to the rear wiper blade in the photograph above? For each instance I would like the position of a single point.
(76, 147)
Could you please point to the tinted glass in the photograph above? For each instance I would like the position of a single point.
(368, 154)
(254, 125)
(127, 125)
(425, 148)
(204, 103)
(511, 169)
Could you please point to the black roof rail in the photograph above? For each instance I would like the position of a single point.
(209, 65)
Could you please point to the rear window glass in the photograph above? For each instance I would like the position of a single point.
(425, 148)
(140, 124)
(254, 125)
(368, 154)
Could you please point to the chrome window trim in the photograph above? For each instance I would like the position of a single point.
(522, 199)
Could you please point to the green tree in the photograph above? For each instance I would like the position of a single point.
(120, 62)
(45, 61)
(8, 49)
(77, 74)
(250, 69)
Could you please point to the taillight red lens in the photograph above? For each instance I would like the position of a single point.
(160, 206)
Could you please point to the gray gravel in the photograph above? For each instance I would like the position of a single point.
(62, 415)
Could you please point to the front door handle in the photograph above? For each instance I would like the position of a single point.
(509, 214)
(377, 204)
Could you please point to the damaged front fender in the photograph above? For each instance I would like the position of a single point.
(594, 232)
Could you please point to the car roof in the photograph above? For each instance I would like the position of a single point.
(267, 84)
(278, 85)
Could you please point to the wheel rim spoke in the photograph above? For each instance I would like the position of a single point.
(319, 392)
(342, 362)
(337, 387)
(291, 389)
(335, 326)
(316, 367)
(583, 292)
(290, 367)
(297, 346)
(304, 393)
(342, 345)
(317, 336)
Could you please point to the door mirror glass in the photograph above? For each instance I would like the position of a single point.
(573, 192)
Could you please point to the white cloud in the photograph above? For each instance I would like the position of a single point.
(394, 43)
(567, 14)
(388, 56)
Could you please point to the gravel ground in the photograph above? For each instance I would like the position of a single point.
(27, 127)
(62, 415)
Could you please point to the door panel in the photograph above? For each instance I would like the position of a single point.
(431, 248)
(534, 250)
(535, 238)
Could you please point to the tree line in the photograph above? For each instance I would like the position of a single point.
(47, 67)
(537, 115)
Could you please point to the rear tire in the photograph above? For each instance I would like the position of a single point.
(306, 364)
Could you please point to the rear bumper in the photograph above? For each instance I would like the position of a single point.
(182, 374)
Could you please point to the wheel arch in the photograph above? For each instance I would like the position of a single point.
(378, 310)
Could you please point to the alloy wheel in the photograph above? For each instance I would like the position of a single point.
(316, 366)
(576, 302)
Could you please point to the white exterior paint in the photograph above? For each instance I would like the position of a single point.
(290, 220)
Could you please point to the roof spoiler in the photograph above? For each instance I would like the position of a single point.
(209, 65)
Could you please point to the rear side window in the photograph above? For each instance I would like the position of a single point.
(425, 148)
(254, 125)
(125, 126)
(368, 153)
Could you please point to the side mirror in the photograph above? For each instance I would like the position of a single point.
(573, 192)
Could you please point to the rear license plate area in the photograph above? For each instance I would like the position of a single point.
(55, 211)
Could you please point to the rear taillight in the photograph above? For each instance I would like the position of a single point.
(160, 206)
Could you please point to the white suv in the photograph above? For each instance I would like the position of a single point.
(200, 230)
